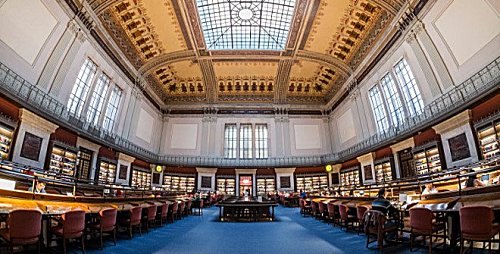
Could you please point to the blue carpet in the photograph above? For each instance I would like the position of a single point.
(291, 234)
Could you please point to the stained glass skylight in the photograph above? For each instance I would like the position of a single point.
(243, 25)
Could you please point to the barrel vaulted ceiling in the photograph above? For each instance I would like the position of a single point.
(325, 41)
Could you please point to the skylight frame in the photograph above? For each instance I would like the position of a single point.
(224, 29)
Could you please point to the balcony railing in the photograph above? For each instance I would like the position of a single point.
(457, 98)
(44, 104)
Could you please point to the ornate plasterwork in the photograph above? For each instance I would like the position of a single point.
(254, 85)
(348, 36)
(356, 23)
(131, 15)
(317, 86)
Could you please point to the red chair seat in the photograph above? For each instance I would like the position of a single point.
(480, 237)
(17, 241)
(97, 226)
(59, 231)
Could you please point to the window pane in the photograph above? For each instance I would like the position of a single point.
(394, 105)
(378, 109)
(81, 87)
(112, 109)
(261, 147)
(409, 87)
(97, 101)
(230, 141)
(245, 141)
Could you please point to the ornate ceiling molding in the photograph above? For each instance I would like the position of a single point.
(166, 59)
(210, 80)
(391, 6)
(324, 59)
(282, 77)
(100, 6)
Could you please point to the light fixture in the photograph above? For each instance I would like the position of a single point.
(159, 168)
(328, 168)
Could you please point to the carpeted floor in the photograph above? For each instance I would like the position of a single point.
(290, 234)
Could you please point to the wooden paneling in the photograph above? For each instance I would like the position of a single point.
(308, 170)
(226, 171)
(9, 109)
(351, 163)
(141, 163)
(384, 152)
(426, 137)
(64, 136)
(265, 171)
(486, 108)
(181, 170)
(107, 153)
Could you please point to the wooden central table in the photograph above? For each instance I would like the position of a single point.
(239, 209)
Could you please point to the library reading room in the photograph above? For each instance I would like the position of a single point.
(250, 126)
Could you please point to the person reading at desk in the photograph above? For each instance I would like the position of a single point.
(472, 181)
(39, 187)
(382, 204)
(429, 189)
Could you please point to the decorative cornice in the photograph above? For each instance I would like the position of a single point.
(30, 118)
(366, 159)
(124, 157)
(284, 170)
(454, 122)
(403, 145)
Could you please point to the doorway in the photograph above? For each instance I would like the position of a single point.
(246, 185)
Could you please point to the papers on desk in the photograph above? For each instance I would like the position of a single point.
(7, 184)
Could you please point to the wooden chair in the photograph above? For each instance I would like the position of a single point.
(345, 217)
(23, 228)
(72, 225)
(360, 213)
(314, 208)
(173, 211)
(162, 213)
(476, 224)
(106, 224)
(180, 209)
(321, 210)
(375, 225)
(150, 216)
(304, 208)
(422, 223)
(132, 220)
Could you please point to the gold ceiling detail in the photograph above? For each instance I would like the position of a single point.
(163, 41)
(132, 18)
(317, 86)
(246, 85)
(358, 21)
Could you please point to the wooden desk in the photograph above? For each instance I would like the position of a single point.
(238, 210)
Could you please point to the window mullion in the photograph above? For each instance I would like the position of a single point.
(90, 93)
(385, 107)
(402, 99)
(105, 103)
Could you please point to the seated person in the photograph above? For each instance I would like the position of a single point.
(429, 189)
(303, 194)
(384, 205)
(39, 187)
(472, 181)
